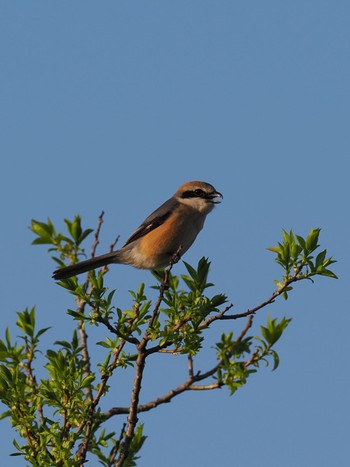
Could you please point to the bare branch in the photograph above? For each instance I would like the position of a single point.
(190, 365)
(270, 300)
(251, 311)
(105, 269)
(216, 317)
(115, 449)
(206, 387)
(113, 244)
(245, 330)
(97, 234)
(166, 398)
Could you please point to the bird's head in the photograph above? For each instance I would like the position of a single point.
(201, 196)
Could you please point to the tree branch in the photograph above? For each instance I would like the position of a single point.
(166, 398)
(97, 234)
(140, 365)
(247, 327)
(251, 311)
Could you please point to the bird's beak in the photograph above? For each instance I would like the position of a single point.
(214, 195)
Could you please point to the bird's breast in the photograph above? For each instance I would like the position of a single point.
(155, 249)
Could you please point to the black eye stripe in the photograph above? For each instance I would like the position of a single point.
(197, 193)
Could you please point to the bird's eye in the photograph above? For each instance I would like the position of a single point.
(198, 192)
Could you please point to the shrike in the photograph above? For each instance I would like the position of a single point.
(173, 226)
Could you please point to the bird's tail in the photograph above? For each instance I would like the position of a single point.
(84, 266)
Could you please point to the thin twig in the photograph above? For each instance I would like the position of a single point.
(190, 365)
(251, 311)
(216, 317)
(111, 249)
(270, 300)
(114, 451)
(113, 244)
(105, 322)
(85, 354)
(207, 387)
(97, 234)
(252, 358)
(106, 377)
(247, 327)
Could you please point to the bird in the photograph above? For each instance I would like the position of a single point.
(170, 229)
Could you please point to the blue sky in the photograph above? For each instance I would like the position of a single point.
(111, 106)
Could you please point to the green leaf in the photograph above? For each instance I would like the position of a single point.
(301, 241)
(320, 258)
(192, 272)
(87, 381)
(274, 330)
(311, 240)
(276, 359)
(274, 249)
(328, 273)
(45, 232)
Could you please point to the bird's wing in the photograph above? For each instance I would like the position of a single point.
(154, 220)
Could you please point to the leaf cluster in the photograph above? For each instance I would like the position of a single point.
(296, 255)
(68, 246)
